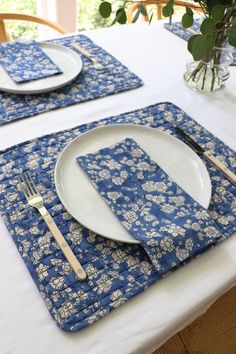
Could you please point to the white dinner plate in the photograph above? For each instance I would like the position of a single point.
(66, 59)
(85, 204)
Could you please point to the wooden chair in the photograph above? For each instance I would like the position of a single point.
(159, 3)
(22, 17)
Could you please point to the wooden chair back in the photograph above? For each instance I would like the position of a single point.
(159, 3)
(29, 18)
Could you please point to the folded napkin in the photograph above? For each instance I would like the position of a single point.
(170, 225)
(24, 61)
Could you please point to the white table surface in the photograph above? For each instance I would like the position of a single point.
(149, 319)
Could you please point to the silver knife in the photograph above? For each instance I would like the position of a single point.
(199, 150)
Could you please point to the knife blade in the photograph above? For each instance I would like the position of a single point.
(199, 150)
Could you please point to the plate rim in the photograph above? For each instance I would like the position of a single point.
(44, 90)
(119, 125)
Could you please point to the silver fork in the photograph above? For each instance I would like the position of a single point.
(88, 55)
(36, 201)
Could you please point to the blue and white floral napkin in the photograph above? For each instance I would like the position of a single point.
(24, 61)
(169, 224)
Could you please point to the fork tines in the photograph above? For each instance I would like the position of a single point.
(28, 186)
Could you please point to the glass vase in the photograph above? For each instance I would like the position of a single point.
(210, 75)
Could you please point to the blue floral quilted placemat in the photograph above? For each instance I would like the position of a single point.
(88, 85)
(177, 28)
(116, 271)
(24, 60)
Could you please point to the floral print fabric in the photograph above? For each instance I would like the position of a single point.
(116, 271)
(88, 85)
(24, 61)
(177, 28)
(169, 224)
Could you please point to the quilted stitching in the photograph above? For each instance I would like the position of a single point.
(116, 271)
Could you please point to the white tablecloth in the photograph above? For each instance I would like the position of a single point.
(149, 319)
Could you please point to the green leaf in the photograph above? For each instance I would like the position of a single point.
(150, 18)
(121, 16)
(190, 42)
(218, 12)
(234, 21)
(210, 42)
(234, 11)
(168, 10)
(189, 11)
(138, 12)
(208, 25)
(201, 46)
(232, 35)
(187, 20)
(198, 48)
(143, 11)
(114, 21)
(105, 9)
